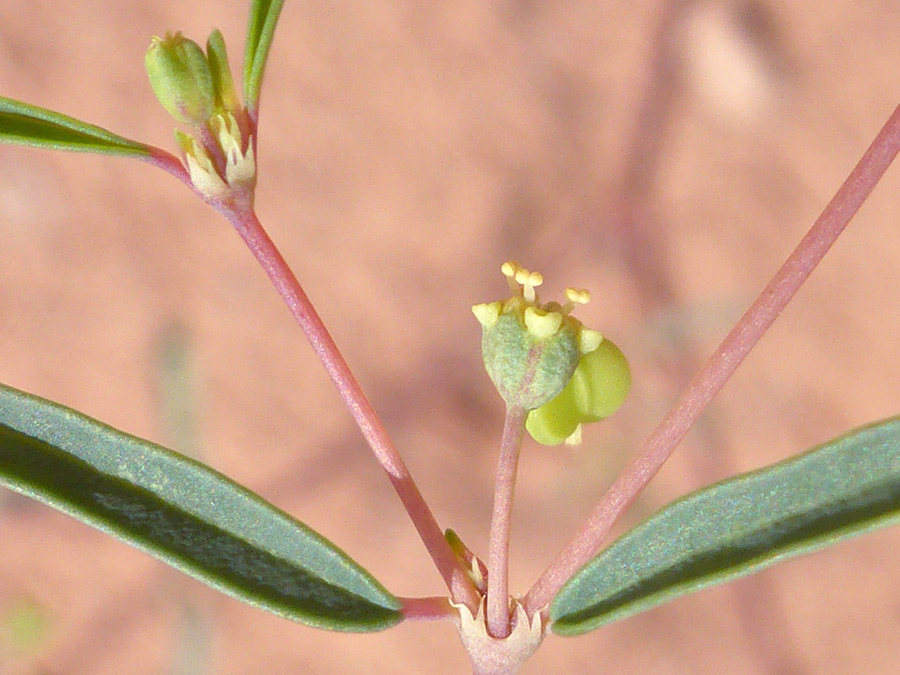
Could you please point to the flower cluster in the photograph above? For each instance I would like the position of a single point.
(543, 360)
(197, 89)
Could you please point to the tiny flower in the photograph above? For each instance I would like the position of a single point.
(530, 349)
(201, 169)
(545, 361)
(198, 89)
(240, 166)
(475, 568)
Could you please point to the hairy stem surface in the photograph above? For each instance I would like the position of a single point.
(715, 372)
(498, 619)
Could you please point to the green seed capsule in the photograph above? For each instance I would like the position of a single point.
(595, 391)
(601, 382)
(555, 421)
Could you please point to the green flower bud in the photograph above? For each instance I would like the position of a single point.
(226, 97)
(531, 350)
(181, 79)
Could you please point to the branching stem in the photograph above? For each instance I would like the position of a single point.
(716, 371)
(498, 619)
(251, 231)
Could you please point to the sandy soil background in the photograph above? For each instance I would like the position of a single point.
(665, 155)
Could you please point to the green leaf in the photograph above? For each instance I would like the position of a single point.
(26, 124)
(185, 514)
(844, 487)
(263, 18)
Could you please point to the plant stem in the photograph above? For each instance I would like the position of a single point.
(427, 609)
(168, 162)
(498, 620)
(716, 371)
(251, 231)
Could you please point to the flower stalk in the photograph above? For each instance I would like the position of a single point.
(498, 601)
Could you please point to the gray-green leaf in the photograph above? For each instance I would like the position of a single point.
(27, 124)
(185, 514)
(844, 487)
(263, 18)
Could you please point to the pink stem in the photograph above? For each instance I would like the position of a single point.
(251, 230)
(169, 162)
(427, 609)
(716, 371)
(498, 620)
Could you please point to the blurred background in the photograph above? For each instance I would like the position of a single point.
(665, 155)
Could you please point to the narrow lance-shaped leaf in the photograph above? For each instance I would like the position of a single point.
(27, 124)
(261, 28)
(185, 514)
(844, 487)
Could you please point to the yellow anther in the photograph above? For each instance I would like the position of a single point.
(575, 296)
(542, 324)
(487, 313)
(529, 280)
(579, 296)
(518, 276)
(510, 268)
